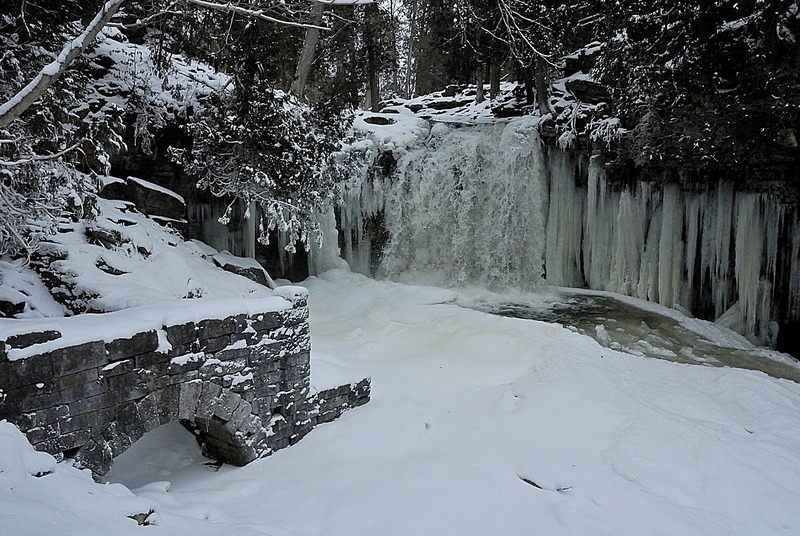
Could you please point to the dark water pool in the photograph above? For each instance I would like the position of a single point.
(621, 326)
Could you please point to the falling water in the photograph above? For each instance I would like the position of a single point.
(468, 205)
(491, 205)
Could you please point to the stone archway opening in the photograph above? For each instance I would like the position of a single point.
(222, 422)
(168, 453)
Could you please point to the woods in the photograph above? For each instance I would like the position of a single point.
(679, 85)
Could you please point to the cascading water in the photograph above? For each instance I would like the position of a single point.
(491, 205)
(467, 205)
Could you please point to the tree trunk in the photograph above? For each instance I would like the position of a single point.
(412, 31)
(28, 95)
(479, 95)
(494, 77)
(541, 86)
(307, 56)
(370, 20)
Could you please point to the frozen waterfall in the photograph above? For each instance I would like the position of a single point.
(467, 206)
(493, 205)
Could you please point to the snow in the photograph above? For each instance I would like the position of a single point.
(479, 424)
(127, 322)
(153, 271)
(160, 189)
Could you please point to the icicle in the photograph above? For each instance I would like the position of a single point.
(670, 248)
(749, 257)
(599, 227)
(326, 256)
(631, 224)
(648, 278)
(794, 271)
(564, 224)
(694, 214)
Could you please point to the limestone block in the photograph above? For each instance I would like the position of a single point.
(188, 399)
(64, 442)
(25, 340)
(152, 359)
(77, 358)
(216, 368)
(148, 410)
(116, 368)
(212, 328)
(95, 456)
(43, 417)
(115, 439)
(140, 343)
(242, 413)
(75, 380)
(40, 434)
(229, 354)
(266, 321)
(177, 379)
(24, 400)
(227, 404)
(72, 424)
(266, 353)
(185, 363)
(131, 422)
(208, 399)
(84, 390)
(167, 402)
(26, 372)
(99, 420)
(128, 386)
(105, 400)
(181, 334)
(210, 346)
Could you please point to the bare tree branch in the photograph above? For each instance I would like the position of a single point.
(29, 94)
(254, 13)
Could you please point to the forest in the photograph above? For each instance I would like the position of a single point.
(671, 89)
(399, 267)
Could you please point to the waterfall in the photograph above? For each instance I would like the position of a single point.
(490, 205)
(466, 205)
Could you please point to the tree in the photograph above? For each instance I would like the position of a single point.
(704, 86)
(265, 147)
(53, 134)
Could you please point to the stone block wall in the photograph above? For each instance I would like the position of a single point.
(240, 383)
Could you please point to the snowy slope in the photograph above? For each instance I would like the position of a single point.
(479, 425)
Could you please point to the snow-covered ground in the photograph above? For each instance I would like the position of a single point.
(479, 425)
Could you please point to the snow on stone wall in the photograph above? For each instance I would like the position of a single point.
(240, 382)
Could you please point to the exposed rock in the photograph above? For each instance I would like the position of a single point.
(148, 198)
(451, 91)
(378, 120)
(588, 91)
(10, 309)
(252, 270)
(24, 340)
(449, 104)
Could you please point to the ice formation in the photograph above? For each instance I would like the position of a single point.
(492, 205)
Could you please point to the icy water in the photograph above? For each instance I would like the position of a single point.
(627, 328)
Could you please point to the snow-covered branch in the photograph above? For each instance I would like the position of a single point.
(28, 95)
(40, 158)
(20, 102)
(253, 13)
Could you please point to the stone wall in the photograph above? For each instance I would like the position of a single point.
(240, 383)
